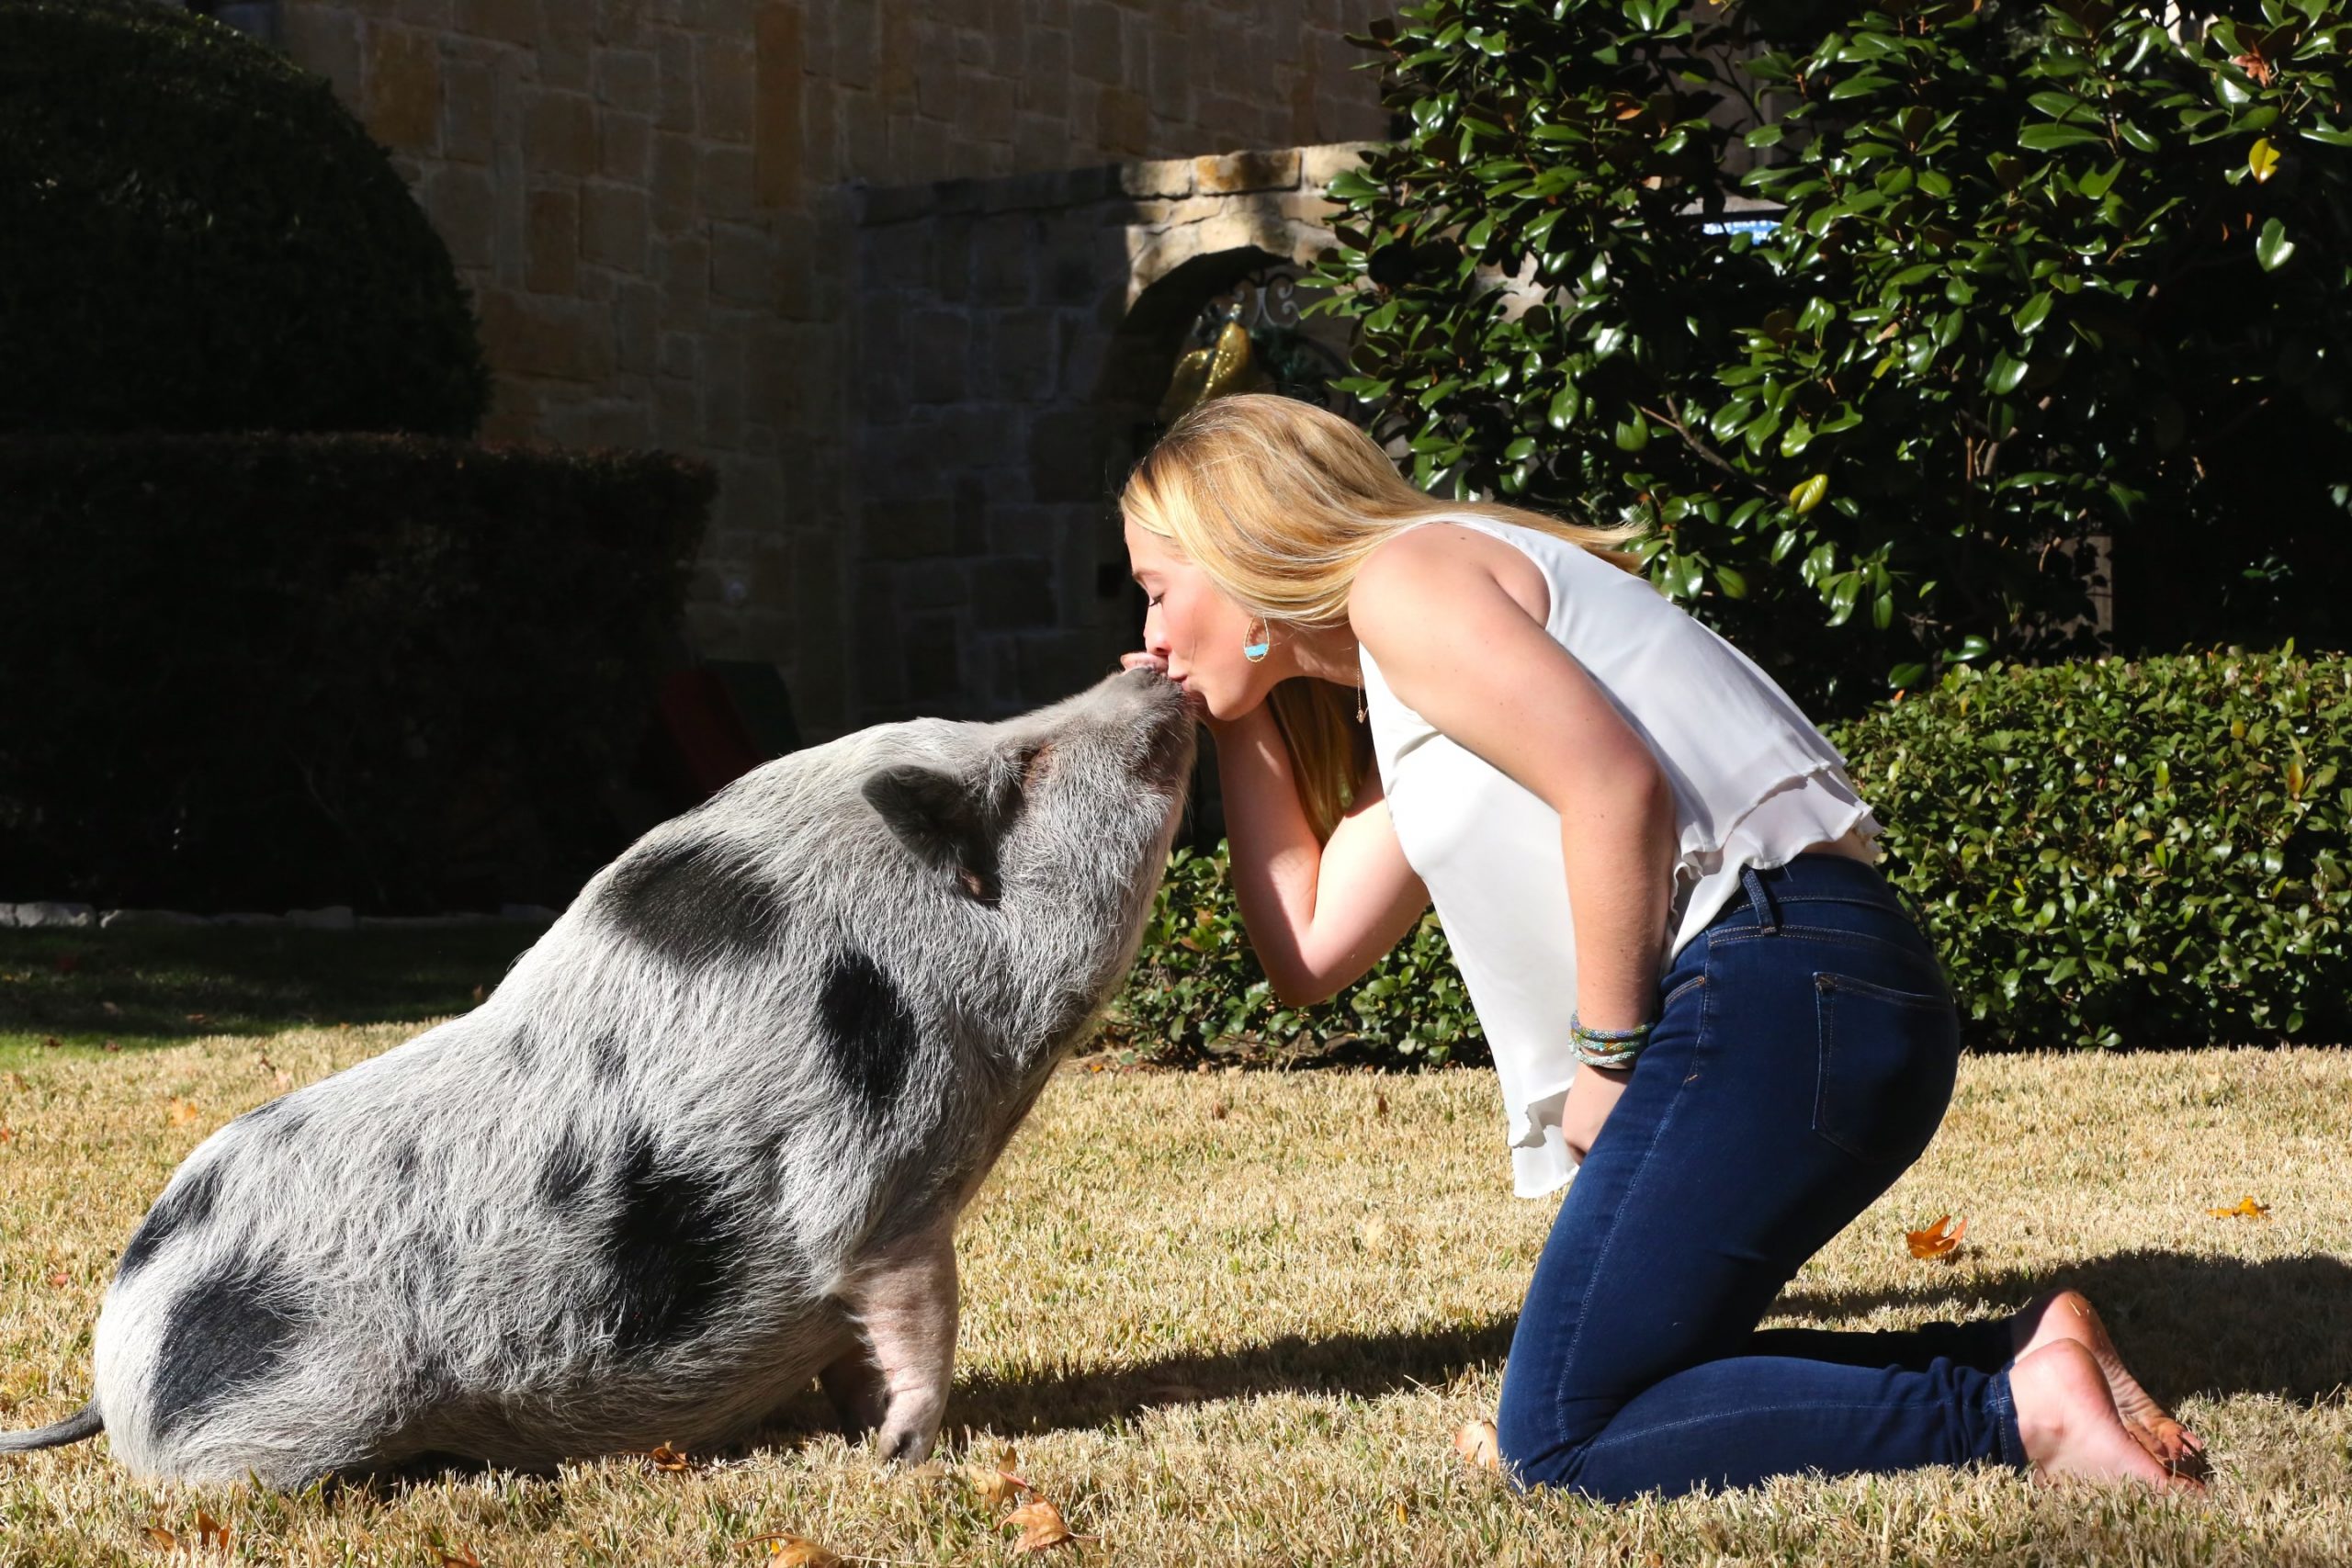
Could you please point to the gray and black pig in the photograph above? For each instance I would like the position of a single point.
(708, 1138)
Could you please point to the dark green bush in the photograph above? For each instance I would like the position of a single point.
(195, 235)
(2044, 272)
(263, 671)
(2110, 853)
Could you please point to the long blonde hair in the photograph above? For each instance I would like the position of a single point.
(1279, 501)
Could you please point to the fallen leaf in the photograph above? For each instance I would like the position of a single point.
(60, 1277)
(1217, 1107)
(211, 1535)
(50, 1041)
(463, 1557)
(196, 1017)
(664, 1457)
(1937, 1241)
(799, 1551)
(1042, 1527)
(2247, 1209)
(1477, 1444)
(112, 1046)
(17, 1081)
(1402, 1518)
(7, 1134)
(998, 1485)
(158, 1536)
(283, 1080)
(183, 1111)
(1379, 1103)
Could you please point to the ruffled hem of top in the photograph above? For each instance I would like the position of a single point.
(1692, 859)
(1541, 1161)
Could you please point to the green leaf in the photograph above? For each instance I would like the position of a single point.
(2029, 315)
(2272, 247)
(1809, 494)
(2050, 138)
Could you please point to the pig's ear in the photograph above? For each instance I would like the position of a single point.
(943, 822)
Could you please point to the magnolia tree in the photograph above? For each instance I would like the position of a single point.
(2039, 273)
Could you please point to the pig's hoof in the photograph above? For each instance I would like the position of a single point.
(904, 1445)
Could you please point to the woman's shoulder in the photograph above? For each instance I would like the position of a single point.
(1423, 557)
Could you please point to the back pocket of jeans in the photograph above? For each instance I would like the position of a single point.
(1886, 1064)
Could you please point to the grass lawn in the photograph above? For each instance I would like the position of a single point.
(1235, 1317)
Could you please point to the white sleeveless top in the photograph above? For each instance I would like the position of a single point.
(1753, 781)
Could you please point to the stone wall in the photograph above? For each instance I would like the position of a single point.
(655, 205)
(1013, 339)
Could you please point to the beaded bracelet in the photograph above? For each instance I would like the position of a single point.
(1606, 1047)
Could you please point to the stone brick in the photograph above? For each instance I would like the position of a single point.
(1230, 174)
(799, 251)
(984, 107)
(327, 41)
(1096, 48)
(1123, 122)
(1069, 450)
(1318, 166)
(681, 266)
(940, 356)
(552, 260)
(1023, 530)
(780, 84)
(508, 21)
(726, 86)
(935, 77)
(464, 211)
(1019, 356)
(560, 134)
(680, 353)
(1055, 664)
(675, 83)
(623, 147)
(906, 530)
(614, 223)
(951, 257)
(1012, 594)
(933, 585)
(526, 335)
(728, 182)
(675, 183)
(722, 392)
(743, 265)
(857, 46)
(627, 80)
(935, 660)
(1044, 74)
(468, 123)
(403, 88)
(677, 415)
(1005, 255)
(866, 133)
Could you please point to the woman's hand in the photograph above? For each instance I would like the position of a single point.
(1590, 1099)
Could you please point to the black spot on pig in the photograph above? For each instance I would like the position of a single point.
(687, 901)
(186, 1203)
(280, 1118)
(564, 1178)
(405, 1158)
(869, 1030)
(606, 1059)
(667, 1254)
(225, 1333)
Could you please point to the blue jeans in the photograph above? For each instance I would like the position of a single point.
(1803, 1058)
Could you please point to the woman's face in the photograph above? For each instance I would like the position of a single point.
(1191, 629)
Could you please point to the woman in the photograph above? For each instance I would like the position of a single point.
(1739, 1041)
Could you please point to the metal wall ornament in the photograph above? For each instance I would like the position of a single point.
(1249, 340)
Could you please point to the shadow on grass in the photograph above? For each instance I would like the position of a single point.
(152, 986)
(2188, 1325)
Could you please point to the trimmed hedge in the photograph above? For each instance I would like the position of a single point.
(256, 671)
(2106, 853)
(195, 235)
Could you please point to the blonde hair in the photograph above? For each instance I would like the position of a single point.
(1279, 501)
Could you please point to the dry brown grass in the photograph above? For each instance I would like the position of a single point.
(1244, 1335)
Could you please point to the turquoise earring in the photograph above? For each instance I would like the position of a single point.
(1255, 651)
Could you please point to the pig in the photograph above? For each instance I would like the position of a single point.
(707, 1139)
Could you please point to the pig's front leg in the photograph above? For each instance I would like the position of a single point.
(903, 1299)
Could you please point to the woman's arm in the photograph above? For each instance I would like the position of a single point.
(1318, 917)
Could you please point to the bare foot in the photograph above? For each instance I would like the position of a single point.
(2067, 1314)
(2070, 1425)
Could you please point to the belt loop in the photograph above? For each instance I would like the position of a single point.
(1766, 915)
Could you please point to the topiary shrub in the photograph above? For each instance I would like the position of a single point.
(2106, 853)
(195, 235)
(256, 671)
